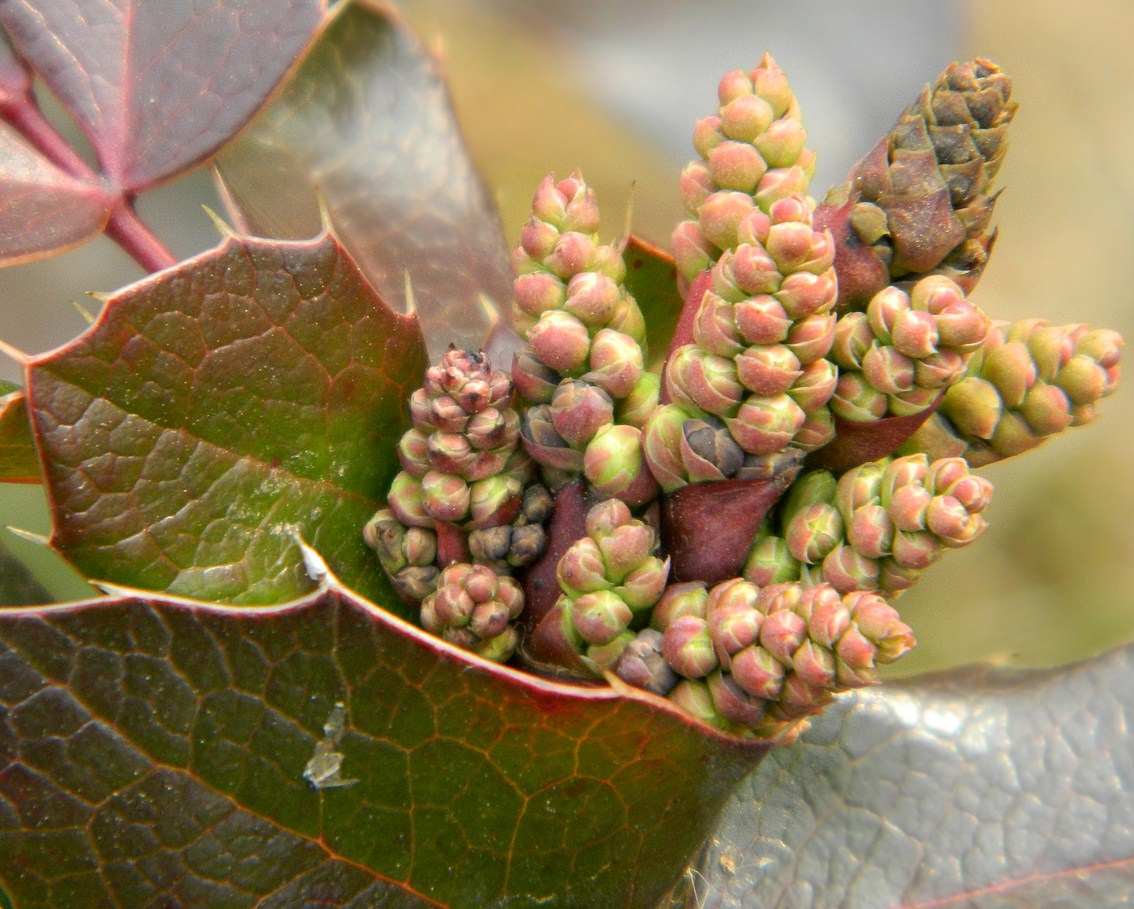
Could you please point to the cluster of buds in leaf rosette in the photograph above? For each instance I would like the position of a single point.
(731, 532)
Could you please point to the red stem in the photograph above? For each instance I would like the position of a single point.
(123, 226)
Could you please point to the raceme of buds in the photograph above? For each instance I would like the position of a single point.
(475, 608)
(570, 303)
(507, 547)
(759, 660)
(877, 527)
(899, 355)
(921, 201)
(461, 460)
(1028, 381)
(610, 581)
(752, 155)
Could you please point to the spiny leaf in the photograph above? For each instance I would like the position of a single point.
(44, 210)
(366, 125)
(217, 407)
(18, 461)
(155, 751)
(981, 788)
(157, 87)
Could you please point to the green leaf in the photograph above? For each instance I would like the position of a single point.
(155, 751)
(366, 126)
(652, 278)
(18, 461)
(157, 87)
(219, 407)
(980, 788)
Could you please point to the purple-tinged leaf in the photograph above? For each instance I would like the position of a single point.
(43, 210)
(217, 407)
(980, 788)
(157, 87)
(156, 751)
(367, 126)
(18, 461)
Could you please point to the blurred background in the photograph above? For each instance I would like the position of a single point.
(614, 89)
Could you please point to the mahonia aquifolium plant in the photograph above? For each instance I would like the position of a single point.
(828, 379)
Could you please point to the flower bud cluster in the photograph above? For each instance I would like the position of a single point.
(758, 364)
(406, 553)
(610, 580)
(922, 201)
(462, 463)
(896, 358)
(759, 660)
(475, 608)
(877, 527)
(570, 303)
(752, 155)
(506, 547)
(1028, 381)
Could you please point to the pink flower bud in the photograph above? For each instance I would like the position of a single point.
(887, 370)
(782, 633)
(811, 337)
(581, 569)
(1051, 347)
(692, 252)
(854, 399)
(680, 599)
(538, 239)
(765, 425)
(592, 298)
(407, 501)
(1082, 379)
(804, 294)
(883, 310)
(736, 166)
(914, 333)
(853, 339)
(537, 292)
(1046, 408)
(917, 550)
(600, 617)
(615, 362)
(688, 647)
(572, 254)
(446, 497)
(780, 183)
(560, 341)
(770, 83)
(781, 142)
(695, 185)
(813, 532)
(758, 672)
(744, 117)
(789, 244)
(721, 213)
(733, 84)
(814, 665)
(828, 618)
(871, 531)
(733, 702)
(703, 380)
(815, 385)
(714, 327)
(767, 369)
(578, 410)
(413, 452)
(762, 320)
(614, 466)
(707, 135)
(753, 269)
(846, 569)
(661, 446)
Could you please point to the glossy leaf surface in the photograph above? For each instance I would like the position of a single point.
(218, 407)
(163, 752)
(985, 788)
(366, 125)
(157, 87)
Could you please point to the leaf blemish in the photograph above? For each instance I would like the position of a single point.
(324, 770)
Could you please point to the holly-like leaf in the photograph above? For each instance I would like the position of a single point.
(980, 788)
(156, 751)
(216, 408)
(18, 461)
(651, 277)
(366, 126)
(43, 210)
(157, 87)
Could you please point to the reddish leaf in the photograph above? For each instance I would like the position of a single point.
(215, 407)
(44, 211)
(18, 461)
(366, 125)
(980, 788)
(153, 752)
(157, 87)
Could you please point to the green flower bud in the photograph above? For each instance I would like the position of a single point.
(688, 647)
